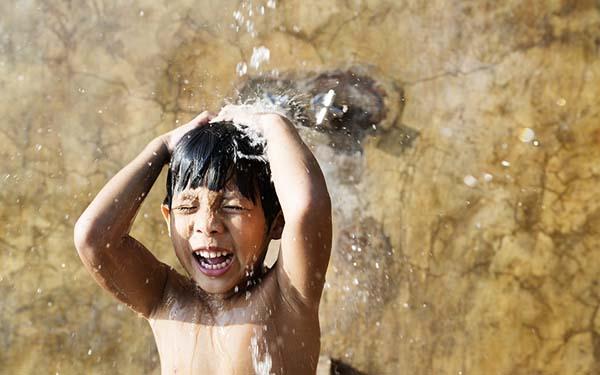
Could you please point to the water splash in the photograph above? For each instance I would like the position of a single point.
(241, 69)
(245, 18)
(261, 359)
(259, 55)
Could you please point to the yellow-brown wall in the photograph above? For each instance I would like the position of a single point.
(479, 252)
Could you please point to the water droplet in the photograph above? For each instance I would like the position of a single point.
(38, 147)
(505, 163)
(259, 56)
(241, 68)
(90, 351)
(141, 13)
(355, 281)
(526, 135)
(487, 177)
(470, 181)
(39, 291)
(237, 15)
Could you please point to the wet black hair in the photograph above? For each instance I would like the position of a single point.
(220, 153)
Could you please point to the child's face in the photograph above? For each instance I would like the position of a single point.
(219, 237)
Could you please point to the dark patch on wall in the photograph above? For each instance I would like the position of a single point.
(346, 105)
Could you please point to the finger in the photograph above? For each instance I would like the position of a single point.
(208, 118)
(218, 118)
(201, 118)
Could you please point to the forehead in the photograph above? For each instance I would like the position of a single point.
(229, 190)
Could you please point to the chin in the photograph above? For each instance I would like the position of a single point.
(223, 284)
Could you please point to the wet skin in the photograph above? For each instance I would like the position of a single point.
(213, 324)
(217, 222)
(202, 322)
(196, 333)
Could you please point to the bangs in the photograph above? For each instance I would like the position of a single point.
(214, 156)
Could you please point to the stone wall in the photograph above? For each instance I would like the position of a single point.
(466, 224)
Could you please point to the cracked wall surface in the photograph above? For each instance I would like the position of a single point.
(466, 229)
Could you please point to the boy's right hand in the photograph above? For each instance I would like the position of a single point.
(171, 138)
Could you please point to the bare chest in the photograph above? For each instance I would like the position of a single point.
(190, 348)
(259, 333)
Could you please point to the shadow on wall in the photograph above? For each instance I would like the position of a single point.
(329, 366)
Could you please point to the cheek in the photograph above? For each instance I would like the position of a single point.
(180, 226)
(254, 229)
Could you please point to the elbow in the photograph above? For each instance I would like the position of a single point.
(82, 236)
(86, 238)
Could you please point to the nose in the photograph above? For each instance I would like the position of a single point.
(208, 223)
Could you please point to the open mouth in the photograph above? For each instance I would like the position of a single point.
(213, 263)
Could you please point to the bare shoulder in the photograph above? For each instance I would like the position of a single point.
(179, 295)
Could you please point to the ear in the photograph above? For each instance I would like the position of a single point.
(277, 226)
(166, 212)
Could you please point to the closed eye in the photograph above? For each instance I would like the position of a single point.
(231, 207)
(185, 208)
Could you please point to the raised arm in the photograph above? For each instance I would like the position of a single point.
(305, 202)
(119, 263)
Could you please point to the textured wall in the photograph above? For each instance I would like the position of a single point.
(467, 229)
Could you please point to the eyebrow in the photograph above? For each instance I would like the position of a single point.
(183, 196)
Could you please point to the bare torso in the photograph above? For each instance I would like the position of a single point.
(258, 331)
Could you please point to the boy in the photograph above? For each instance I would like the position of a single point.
(230, 316)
